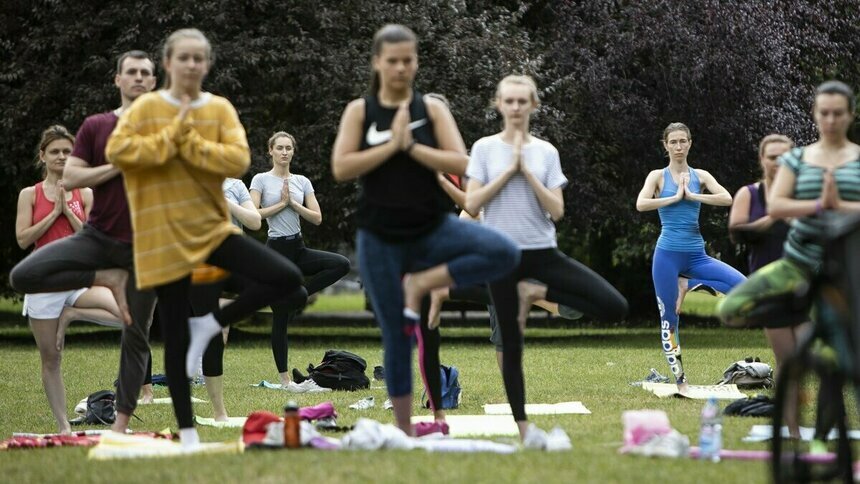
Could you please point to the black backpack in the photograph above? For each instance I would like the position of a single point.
(101, 409)
(340, 370)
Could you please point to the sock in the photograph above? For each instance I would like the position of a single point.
(189, 438)
(410, 314)
(201, 329)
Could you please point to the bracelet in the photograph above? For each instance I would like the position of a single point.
(411, 145)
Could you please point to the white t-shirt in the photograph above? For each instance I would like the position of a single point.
(236, 192)
(515, 210)
(286, 222)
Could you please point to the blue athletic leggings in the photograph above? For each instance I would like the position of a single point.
(668, 265)
(474, 255)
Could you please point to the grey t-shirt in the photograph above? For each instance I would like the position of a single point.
(286, 222)
(515, 210)
(236, 192)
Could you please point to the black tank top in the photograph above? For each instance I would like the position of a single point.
(400, 200)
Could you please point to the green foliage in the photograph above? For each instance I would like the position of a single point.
(611, 73)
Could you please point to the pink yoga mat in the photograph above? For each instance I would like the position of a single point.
(765, 455)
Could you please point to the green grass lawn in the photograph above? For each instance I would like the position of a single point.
(593, 366)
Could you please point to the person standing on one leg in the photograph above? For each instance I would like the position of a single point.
(395, 140)
(100, 254)
(517, 179)
(47, 212)
(205, 297)
(677, 193)
(175, 147)
(284, 198)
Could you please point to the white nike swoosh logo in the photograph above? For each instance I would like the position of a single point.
(375, 137)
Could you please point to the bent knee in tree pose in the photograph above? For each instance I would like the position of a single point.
(284, 198)
(677, 193)
(395, 140)
(517, 179)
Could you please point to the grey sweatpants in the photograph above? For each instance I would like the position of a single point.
(71, 263)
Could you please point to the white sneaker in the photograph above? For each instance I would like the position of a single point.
(363, 404)
(81, 407)
(535, 438)
(307, 386)
(557, 439)
(387, 405)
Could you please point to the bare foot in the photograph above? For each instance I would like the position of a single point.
(146, 396)
(528, 292)
(66, 317)
(683, 387)
(115, 280)
(221, 418)
(285, 379)
(683, 287)
(437, 298)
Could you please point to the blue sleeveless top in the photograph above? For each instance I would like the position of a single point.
(680, 221)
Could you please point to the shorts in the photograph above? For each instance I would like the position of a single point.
(495, 332)
(49, 305)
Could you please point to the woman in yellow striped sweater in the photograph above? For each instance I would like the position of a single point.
(174, 148)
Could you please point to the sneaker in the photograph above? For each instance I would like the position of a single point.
(326, 423)
(425, 428)
(307, 386)
(557, 439)
(653, 377)
(387, 405)
(363, 404)
(535, 438)
(378, 373)
(817, 447)
(568, 312)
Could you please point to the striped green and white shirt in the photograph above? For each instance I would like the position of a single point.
(802, 245)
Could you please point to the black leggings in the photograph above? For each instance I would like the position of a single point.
(568, 282)
(431, 339)
(270, 278)
(320, 269)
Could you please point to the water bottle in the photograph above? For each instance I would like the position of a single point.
(711, 431)
(292, 426)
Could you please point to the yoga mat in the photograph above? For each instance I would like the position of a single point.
(765, 455)
(696, 392)
(118, 446)
(476, 425)
(232, 422)
(763, 433)
(168, 401)
(562, 408)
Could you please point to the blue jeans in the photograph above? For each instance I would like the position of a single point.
(700, 268)
(474, 255)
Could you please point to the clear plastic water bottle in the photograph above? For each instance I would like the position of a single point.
(711, 431)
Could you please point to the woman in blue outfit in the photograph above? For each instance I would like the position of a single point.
(394, 140)
(677, 193)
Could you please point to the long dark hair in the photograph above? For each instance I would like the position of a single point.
(388, 34)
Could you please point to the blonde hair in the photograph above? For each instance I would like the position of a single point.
(283, 134)
(522, 80)
(178, 35)
(773, 138)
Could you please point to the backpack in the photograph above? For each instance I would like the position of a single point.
(340, 370)
(758, 406)
(101, 409)
(748, 373)
(450, 384)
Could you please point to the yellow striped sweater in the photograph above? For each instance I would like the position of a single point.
(173, 173)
